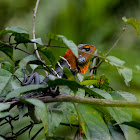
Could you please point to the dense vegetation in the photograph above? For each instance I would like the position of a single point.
(104, 113)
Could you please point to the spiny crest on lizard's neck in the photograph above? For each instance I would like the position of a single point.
(82, 62)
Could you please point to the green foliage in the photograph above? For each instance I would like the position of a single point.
(91, 122)
(133, 22)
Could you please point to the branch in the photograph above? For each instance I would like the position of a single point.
(34, 16)
(121, 34)
(62, 97)
(93, 101)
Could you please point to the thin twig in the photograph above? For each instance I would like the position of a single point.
(124, 29)
(94, 63)
(16, 48)
(47, 45)
(34, 16)
(79, 120)
(121, 34)
(35, 46)
(37, 133)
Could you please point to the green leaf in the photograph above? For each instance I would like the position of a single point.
(1, 138)
(22, 111)
(132, 124)
(89, 82)
(7, 66)
(14, 29)
(68, 73)
(52, 36)
(114, 61)
(126, 73)
(115, 131)
(4, 106)
(36, 102)
(38, 41)
(127, 96)
(33, 66)
(5, 78)
(55, 117)
(120, 114)
(102, 93)
(43, 114)
(21, 35)
(74, 87)
(71, 45)
(133, 22)
(26, 60)
(21, 38)
(28, 88)
(92, 123)
(4, 114)
(48, 53)
(7, 49)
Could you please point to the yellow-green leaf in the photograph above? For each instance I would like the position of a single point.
(133, 22)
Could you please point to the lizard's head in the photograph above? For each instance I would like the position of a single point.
(85, 52)
(82, 62)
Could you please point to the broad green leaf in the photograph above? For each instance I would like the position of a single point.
(43, 114)
(38, 41)
(14, 29)
(89, 82)
(48, 54)
(114, 61)
(21, 35)
(7, 66)
(4, 114)
(133, 22)
(80, 77)
(4, 106)
(133, 124)
(21, 38)
(55, 117)
(115, 131)
(71, 45)
(72, 85)
(28, 88)
(36, 102)
(33, 66)
(7, 49)
(127, 96)
(22, 111)
(92, 123)
(52, 36)
(120, 114)
(102, 93)
(5, 78)
(26, 60)
(1, 138)
(68, 73)
(126, 73)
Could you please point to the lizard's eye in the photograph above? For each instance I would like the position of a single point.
(86, 50)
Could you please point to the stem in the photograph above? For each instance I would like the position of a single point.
(84, 100)
(34, 16)
(91, 101)
(121, 34)
(94, 63)
(79, 121)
